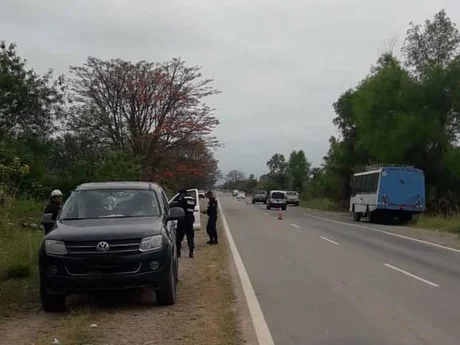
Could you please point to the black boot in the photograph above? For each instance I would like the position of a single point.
(190, 254)
(210, 241)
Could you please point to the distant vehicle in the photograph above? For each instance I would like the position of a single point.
(195, 195)
(259, 196)
(292, 198)
(235, 192)
(93, 247)
(277, 199)
(241, 195)
(387, 191)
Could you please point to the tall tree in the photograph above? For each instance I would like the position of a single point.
(278, 171)
(434, 45)
(299, 170)
(235, 176)
(277, 164)
(30, 104)
(149, 108)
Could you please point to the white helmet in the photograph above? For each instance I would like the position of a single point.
(55, 193)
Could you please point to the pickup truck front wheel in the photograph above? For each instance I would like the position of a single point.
(52, 303)
(167, 294)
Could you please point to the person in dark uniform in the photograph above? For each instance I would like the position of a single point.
(211, 227)
(53, 207)
(185, 226)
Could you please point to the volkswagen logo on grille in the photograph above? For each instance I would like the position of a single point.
(102, 247)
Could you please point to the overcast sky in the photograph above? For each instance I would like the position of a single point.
(280, 64)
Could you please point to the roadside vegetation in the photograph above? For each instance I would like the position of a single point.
(109, 120)
(406, 111)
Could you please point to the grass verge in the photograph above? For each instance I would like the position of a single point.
(19, 256)
(439, 223)
(205, 312)
(76, 328)
(322, 204)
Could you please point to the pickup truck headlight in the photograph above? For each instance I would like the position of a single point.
(55, 247)
(151, 243)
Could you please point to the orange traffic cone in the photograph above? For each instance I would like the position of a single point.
(280, 214)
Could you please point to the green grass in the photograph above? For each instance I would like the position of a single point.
(441, 223)
(75, 329)
(322, 204)
(18, 255)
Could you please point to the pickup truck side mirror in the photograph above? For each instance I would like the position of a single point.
(176, 213)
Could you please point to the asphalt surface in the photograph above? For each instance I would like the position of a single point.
(326, 282)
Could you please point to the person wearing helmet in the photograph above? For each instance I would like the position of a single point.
(53, 207)
(185, 226)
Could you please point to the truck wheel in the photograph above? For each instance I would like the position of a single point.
(405, 218)
(284, 208)
(167, 295)
(356, 216)
(371, 216)
(52, 303)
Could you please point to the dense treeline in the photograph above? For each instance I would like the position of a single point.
(292, 174)
(109, 120)
(405, 111)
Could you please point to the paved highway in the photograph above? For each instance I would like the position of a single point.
(323, 282)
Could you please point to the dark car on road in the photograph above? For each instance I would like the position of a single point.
(110, 236)
(259, 196)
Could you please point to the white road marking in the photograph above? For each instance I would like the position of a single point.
(411, 275)
(266, 213)
(263, 334)
(329, 240)
(385, 232)
(295, 226)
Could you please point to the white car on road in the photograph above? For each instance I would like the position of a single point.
(292, 198)
(241, 196)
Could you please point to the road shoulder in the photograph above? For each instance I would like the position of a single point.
(207, 311)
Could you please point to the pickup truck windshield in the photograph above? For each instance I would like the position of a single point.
(103, 203)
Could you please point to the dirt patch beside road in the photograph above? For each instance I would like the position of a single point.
(206, 311)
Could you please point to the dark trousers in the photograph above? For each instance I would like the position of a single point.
(48, 228)
(211, 228)
(185, 230)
